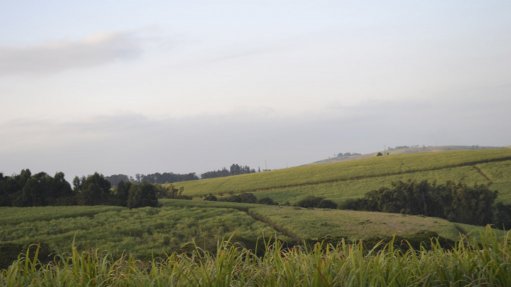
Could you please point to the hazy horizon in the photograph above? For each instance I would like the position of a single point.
(170, 86)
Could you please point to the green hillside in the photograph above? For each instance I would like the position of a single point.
(352, 179)
(145, 232)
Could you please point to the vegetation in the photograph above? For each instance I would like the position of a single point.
(340, 181)
(142, 232)
(235, 169)
(154, 178)
(26, 189)
(146, 232)
(41, 189)
(314, 201)
(468, 263)
(313, 243)
(453, 201)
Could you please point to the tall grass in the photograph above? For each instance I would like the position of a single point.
(483, 263)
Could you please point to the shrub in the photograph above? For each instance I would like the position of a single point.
(210, 197)
(326, 203)
(310, 201)
(248, 198)
(266, 200)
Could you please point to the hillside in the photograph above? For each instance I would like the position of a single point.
(405, 150)
(339, 181)
(147, 232)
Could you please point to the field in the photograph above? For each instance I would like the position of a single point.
(340, 181)
(190, 242)
(142, 232)
(180, 224)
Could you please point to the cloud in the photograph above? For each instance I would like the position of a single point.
(134, 143)
(54, 57)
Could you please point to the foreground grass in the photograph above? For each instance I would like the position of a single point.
(486, 263)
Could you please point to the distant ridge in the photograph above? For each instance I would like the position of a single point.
(406, 150)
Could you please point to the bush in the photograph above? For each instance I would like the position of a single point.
(502, 216)
(248, 198)
(210, 197)
(232, 198)
(326, 203)
(266, 200)
(310, 201)
(242, 198)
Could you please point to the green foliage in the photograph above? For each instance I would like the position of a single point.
(502, 216)
(242, 198)
(325, 203)
(266, 200)
(309, 202)
(235, 169)
(314, 201)
(143, 194)
(210, 197)
(142, 232)
(9, 252)
(39, 189)
(468, 263)
(93, 189)
(454, 201)
(122, 194)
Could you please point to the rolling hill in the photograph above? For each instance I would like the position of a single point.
(343, 180)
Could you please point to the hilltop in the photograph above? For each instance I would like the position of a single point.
(403, 149)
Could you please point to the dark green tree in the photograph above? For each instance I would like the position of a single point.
(143, 194)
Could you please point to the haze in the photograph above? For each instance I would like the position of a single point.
(188, 86)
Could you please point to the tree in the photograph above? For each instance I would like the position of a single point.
(453, 201)
(143, 194)
(122, 194)
(94, 189)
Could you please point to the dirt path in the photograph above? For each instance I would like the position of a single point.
(284, 231)
(482, 173)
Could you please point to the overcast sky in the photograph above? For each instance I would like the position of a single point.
(189, 86)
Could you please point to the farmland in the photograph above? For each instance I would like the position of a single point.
(147, 232)
(195, 237)
(142, 232)
(340, 181)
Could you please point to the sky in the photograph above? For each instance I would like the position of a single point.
(190, 86)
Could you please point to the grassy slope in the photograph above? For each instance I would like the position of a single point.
(349, 179)
(147, 231)
(141, 232)
(314, 224)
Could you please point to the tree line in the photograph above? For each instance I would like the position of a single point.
(154, 178)
(170, 177)
(453, 201)
(235, 169)
(41, 189)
